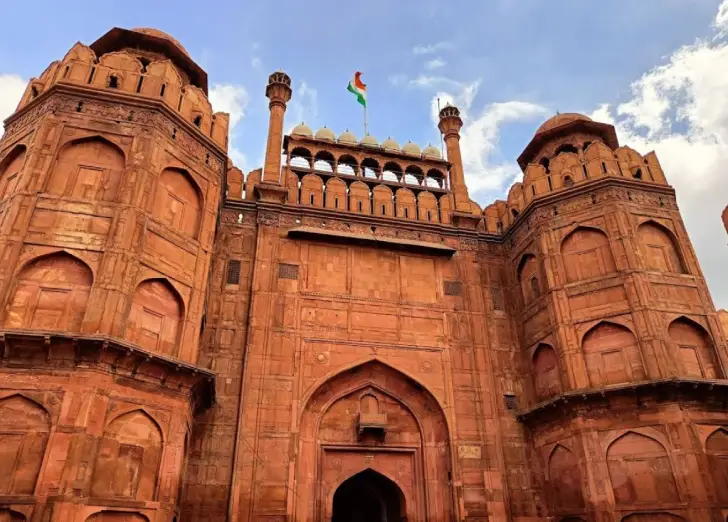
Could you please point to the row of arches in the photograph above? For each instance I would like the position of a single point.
(301, 158)
(92, 169)
(640, 471)
(612, 356)
(587, 254)
(8, 515)
(125, 466)
(51, 293)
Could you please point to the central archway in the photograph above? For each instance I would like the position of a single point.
(369, 496)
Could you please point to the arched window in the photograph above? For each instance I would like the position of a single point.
(568, 182)
(155, 318)
(587, 254)
(640, 471)
(113, 82)
(546, 372)
(178, 203)
(566, 148)
(10, 171)
(695, 349)
(716, 448)
(612, 355)
(127, 461)
(89, 169)
(637, 174)
(24, 431)
(565, 480)
(535, 289)
(50, 293)
(544, 162)
(528, 278)
(369, 404)
(514, 213)
(659, 248)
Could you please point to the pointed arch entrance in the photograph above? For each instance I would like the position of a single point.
(375, 426)
(369, 496)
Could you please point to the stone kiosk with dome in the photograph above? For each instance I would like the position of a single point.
(342, 334)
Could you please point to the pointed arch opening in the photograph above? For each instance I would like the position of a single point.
(587, 254)
(178, 202)
(640, 470)
(528, 278)
(612, 355)
(301, 158)
(155, 318)
(324, 161)
(547, 381)
(10, 171)
(716, 449)
(369, 496)
(24, 431)
(392, 171)
(370, 168)
(8, 515)
(565, 480)
(89, 168)
(128, 458)
(660, 249)
(50, 293)
(347, 165)
(695, 349)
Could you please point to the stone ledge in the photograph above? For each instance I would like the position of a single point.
(665, 389)
(31, 349)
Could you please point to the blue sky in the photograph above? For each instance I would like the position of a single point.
(652, 67)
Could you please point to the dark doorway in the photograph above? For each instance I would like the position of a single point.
(368, 497)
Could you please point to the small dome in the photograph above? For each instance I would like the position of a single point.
(160, 34)
(411, 148)
(390, 144)
(369, 140)
(348, 137)
(302, 130)
(432, 152)
(560, 120)
(324, 133)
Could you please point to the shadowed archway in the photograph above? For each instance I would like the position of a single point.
(369, 496)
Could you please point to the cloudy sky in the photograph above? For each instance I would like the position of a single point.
(654, 68)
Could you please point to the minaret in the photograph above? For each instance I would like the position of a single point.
(450, 125)
(279, 93)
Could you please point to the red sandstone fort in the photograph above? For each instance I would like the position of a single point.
(342, 335)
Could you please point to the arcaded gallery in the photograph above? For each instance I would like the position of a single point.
(342, 334)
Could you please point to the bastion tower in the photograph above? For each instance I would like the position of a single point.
(342, 334)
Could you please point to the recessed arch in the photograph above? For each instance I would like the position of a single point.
(640, 470)
(716, 449)
(656, 516)
(566, 147)
(156, 316)
(8, 515)
(25, 429)
(368, 495)
(545, 364)
(10, 168)
(660, 249)
(694, 349)
(178, 202)
(587, 254)
(117, 516)
(612, 355)
(89, 168)
(50, 292)
(564, 479)
(312, 190)
(526, 271)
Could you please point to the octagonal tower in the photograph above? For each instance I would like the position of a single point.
(111, 173)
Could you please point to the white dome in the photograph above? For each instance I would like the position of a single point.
(348, 137)
(369, 140)
(390, 144)
(325, 133)
(411, 148)
(302, 130)
(432, 152)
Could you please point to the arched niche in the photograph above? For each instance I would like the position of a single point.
(359, 198)
(8, 515)
(427, 207)
(414, 419)
(405, 204)
(89, 169)
(565, 480)
(716, 449)
(587, 254)
(10, 171)
(382, 201)
(528, 278)
(612, 355)
(312, 191)
(155, 318)
(24, 431)
(547, 382)
(128, 458)
(178, 202)
(335, 194)
(695, 350)
(659, 516)
(640, 471)
(659, 248)
(50, 293)
(117, 516)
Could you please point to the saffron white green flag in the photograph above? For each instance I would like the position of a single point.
(357, 87)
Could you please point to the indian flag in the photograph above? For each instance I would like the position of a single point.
(357, 87)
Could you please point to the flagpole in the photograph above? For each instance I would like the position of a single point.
(365, 120)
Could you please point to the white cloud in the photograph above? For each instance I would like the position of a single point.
(679, 110)
(435, 63)
(432, 48)
(303, 106)
(255, 62)
(12, 88)
(397, 79)
(436, 81)
(234, 100)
